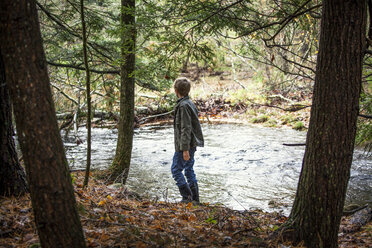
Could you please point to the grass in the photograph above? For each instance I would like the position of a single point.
(299, 126)
(260, 119)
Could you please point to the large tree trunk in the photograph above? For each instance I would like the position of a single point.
(317, 209)
(121, 164)
(12, 176)
(51, 190)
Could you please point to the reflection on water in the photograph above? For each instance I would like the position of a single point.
(241, 166)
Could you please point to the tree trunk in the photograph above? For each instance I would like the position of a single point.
(87, 72)
(121, 164)
(317, 209)
(51, 190)
(12, 176)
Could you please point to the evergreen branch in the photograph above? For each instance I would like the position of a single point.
(365, 116)
(83, 69)
(138, 82)
(296, 55)
(57, 21)
(213, 14)
(268, 62)
(283, 22)
(286, 20)
(298, 64)
(94, 46)
(63, 93)
(368, 51)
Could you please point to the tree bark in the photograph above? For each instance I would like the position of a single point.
(317, 209)
(87, 72)
(121, 164)
(51, 190)
(12, 175)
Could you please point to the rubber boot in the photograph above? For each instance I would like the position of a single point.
(185, 193)
(195, 192)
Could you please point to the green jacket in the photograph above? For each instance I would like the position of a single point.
(187, 129)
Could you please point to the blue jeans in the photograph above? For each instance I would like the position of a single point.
(179, 164)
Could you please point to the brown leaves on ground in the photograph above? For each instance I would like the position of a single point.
(111, 217)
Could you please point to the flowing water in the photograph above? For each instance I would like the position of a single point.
(241, 166)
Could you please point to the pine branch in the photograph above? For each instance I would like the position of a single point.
(365, 116)
(117, 72)
(82, 68)
(94, 46)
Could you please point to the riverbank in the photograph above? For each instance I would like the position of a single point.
(276, 113)
(114, 217)
(244, 98)
(218, 100)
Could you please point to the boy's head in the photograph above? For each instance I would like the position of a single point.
(182, 86)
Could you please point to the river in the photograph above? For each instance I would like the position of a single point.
(241, 166)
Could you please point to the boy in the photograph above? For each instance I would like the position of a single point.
(187, 136)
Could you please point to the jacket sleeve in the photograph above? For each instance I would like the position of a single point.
(185, 128)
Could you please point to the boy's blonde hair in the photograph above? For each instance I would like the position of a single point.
(182, 85)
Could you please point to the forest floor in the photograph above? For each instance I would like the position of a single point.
(113, 217)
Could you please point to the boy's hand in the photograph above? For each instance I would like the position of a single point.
(186, 155)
